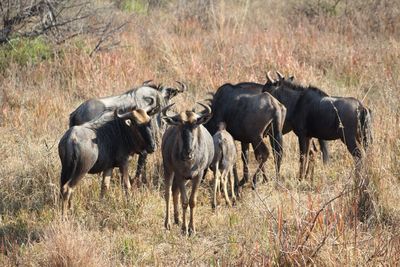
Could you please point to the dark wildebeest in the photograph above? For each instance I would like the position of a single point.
(187, 150)
(256, 88)
(145, 97)
(248, 116)
(101, 145)
(313, 113)
(223, 163)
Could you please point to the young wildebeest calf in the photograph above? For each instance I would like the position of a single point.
(100, 145)
(223, 163)
(187, 150)
(248, 117)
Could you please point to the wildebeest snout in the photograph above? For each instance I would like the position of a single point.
(151, 147)
(187, 155)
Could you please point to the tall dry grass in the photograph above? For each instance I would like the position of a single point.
(351, 50)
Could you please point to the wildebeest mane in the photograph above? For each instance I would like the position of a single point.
(158, 87)
(298, 87)
(103, 118)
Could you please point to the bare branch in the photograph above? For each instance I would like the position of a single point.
(58, 20)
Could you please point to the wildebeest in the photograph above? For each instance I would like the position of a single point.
(187, 151)
(313, 113)
(101, 145)
(256, 88)
(145, 97)
(248, 116)
(223, 163)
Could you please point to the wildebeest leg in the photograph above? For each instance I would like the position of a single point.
(193, 202)
(175, 200)
(140, 174)
(236, 180)
(105, 183)
(232, 181)
(311, 161)
(354, 147)
(204, 176)
(363, 197)
(245, 159)
(261, 152)
(125, 177)
(216, 185)
(168, 178)
(277, 145)
(224, 180)
(185, 203)
(304, 143)
(66, 192)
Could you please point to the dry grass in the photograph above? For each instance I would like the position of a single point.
(353, 51)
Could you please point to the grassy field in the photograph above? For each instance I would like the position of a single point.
(351, 48)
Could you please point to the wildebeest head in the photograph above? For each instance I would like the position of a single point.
(273, 84)
(170, 92)
(150, 95)
(277, 82)
(140, 120)
(188, 123)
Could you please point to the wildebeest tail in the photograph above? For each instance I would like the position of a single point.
(72, 121)
(366, 127)
(69, 161)
(324, 148)
(221, 147)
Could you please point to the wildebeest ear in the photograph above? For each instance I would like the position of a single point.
(128, 122)
(168, 92)
(172, 120)
(204, 119)
(290, 78)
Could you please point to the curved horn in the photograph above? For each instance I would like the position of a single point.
(269, 79)
(280, 76)
(211, 93)
(147, 82)
(165, 109)
(126, 115)
(183, 86)
(207, 107)
(155, 110)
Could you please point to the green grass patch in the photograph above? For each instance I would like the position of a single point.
(135, 6)
(23, 51)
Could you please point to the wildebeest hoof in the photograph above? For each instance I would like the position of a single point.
(176, 221)
(184, 231)
(213, 206)
(192, 232)
(233, 202)
(253, 186)
(167, 225)
(242, 182)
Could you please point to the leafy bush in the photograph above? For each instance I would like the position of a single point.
(23, 51)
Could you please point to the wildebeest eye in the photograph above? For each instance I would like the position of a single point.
(149, 100)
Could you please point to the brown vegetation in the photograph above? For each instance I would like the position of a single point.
(347, 48)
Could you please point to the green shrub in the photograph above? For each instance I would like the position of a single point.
(136, 6)
(24, 51)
